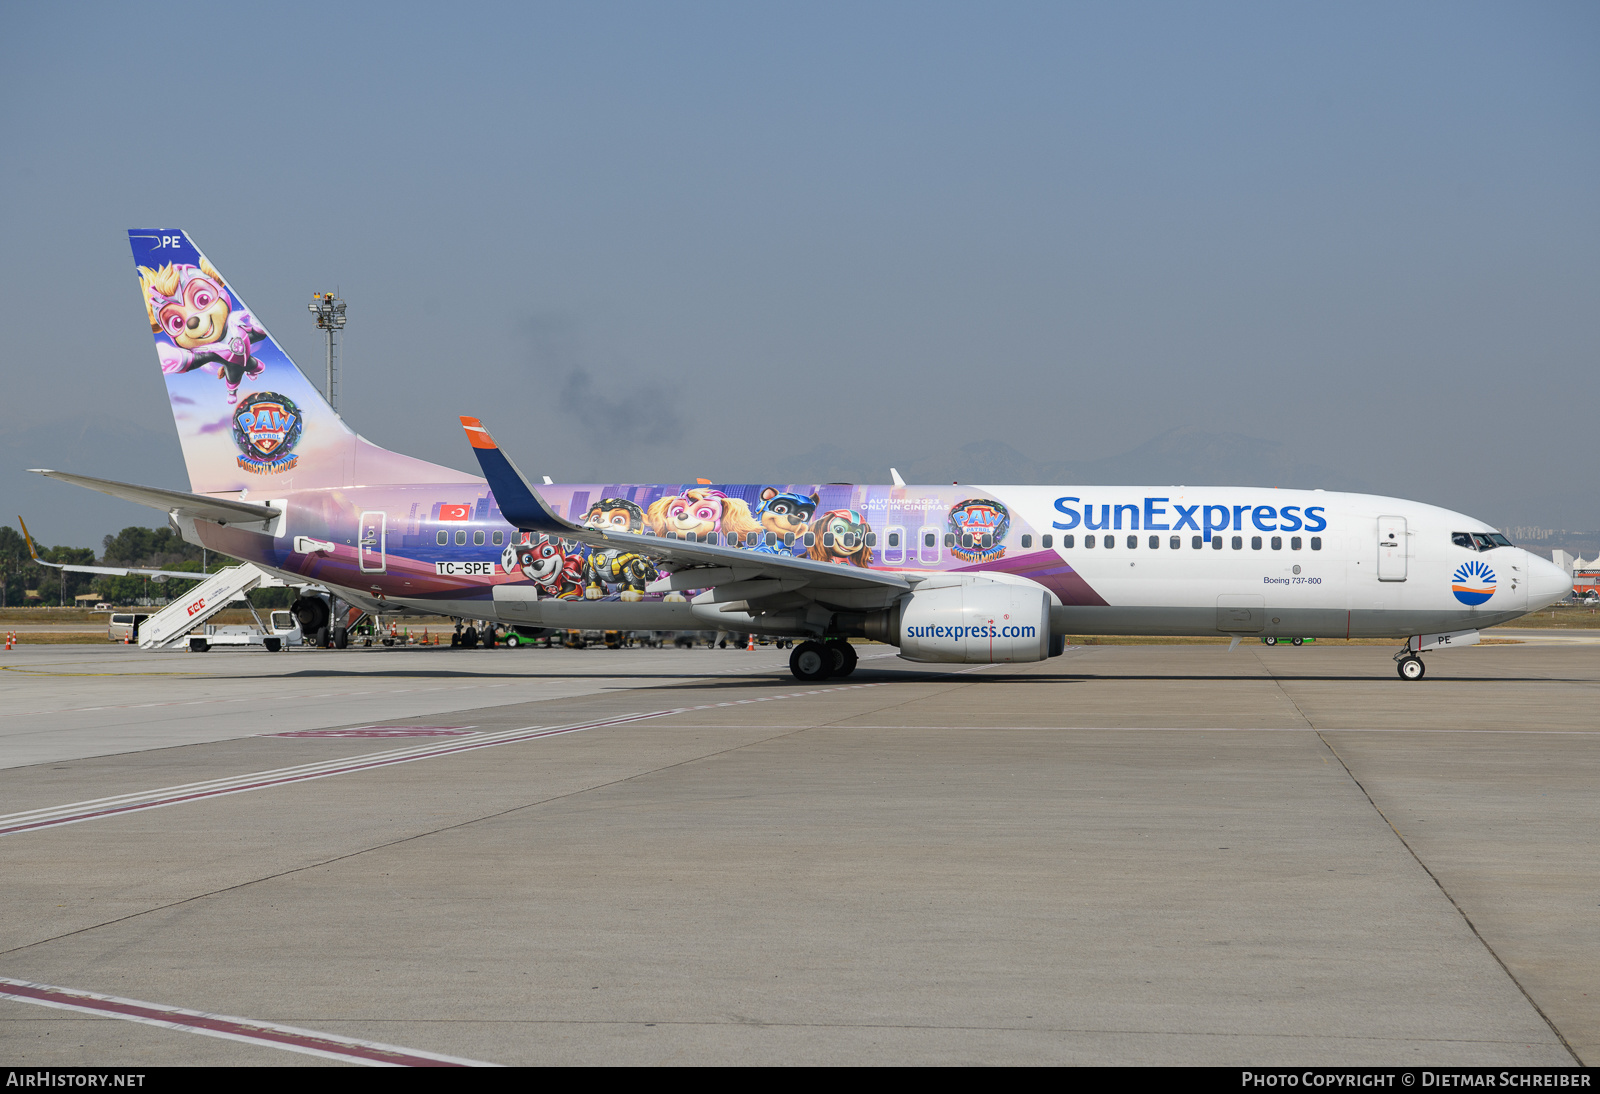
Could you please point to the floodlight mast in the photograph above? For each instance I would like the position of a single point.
(329, 312)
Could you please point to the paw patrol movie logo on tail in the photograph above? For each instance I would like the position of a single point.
(265, 427)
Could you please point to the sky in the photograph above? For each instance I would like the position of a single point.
(655, 242)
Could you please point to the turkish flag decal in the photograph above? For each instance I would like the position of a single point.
(455, 512)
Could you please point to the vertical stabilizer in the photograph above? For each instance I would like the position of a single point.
(248, 419)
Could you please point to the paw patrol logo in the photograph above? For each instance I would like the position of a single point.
(266, 427)
(1473, 583)
(979, 517)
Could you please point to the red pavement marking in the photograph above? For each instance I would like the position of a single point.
(310, 1042)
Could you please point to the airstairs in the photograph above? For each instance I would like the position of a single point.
(173, 623)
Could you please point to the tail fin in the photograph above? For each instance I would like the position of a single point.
(248, 419)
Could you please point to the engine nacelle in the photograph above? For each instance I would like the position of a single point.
(979, 622)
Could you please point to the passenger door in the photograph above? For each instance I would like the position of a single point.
(1392, 548)
(372, 542)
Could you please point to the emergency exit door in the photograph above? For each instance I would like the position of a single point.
(371, 543)
(1392, 548)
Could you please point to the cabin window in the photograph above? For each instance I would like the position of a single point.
(1088, 541)
(1216, 543)
(811, 539)
(1155, 542)
(788, 539)
(949, 539)
(1295, 542)
(894, 539)
(872, 539)
(827, 539)
(1176, 542)
(930, 545)
(461, 537)
(1197, 542)
(988, 541)
(1133, 542)
(1255, 543)
(499, 538)
(477, 538)
(966, 539)
(1027, 541)
(444, 537)
(1277, 543)
(1111, 541)
(1316, 543)
(1066, 541)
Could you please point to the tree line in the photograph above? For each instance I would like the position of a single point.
(147, 548)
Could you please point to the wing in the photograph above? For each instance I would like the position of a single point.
(736, 578)
(115, 571)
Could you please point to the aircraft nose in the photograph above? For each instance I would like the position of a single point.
(1547, 582)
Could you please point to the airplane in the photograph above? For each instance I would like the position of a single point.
(948, 574)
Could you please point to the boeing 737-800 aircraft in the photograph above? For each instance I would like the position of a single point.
(962, 574)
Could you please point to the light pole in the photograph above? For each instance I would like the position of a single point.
(329, 312)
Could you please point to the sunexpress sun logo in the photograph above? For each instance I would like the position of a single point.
(1473, 583)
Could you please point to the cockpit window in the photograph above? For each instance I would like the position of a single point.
(1463, 539)
(1485, 543)
(1499, 539)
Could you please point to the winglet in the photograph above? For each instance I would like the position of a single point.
(29, 539)
(520, 503)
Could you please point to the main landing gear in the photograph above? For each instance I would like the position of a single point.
(813, 660)
(1411, 667)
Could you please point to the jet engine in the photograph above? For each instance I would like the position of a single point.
(975, 622)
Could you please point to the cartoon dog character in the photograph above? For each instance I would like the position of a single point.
(613, 567)
(556, 573)
(786, 517)
(848, 533)
(191, 306)
(699, 512)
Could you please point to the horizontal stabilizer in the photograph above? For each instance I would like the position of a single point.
(198, 506)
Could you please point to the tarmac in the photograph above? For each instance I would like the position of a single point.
(1124, 855)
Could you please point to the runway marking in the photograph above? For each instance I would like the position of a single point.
(271, 1035)
(379, 731)
(76, 812)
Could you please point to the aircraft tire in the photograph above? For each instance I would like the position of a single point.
(341, 638)
(1411, 668)
(469, 638)
(843, 657)
(810, 661)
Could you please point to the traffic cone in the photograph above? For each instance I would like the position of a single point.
(751, 645)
